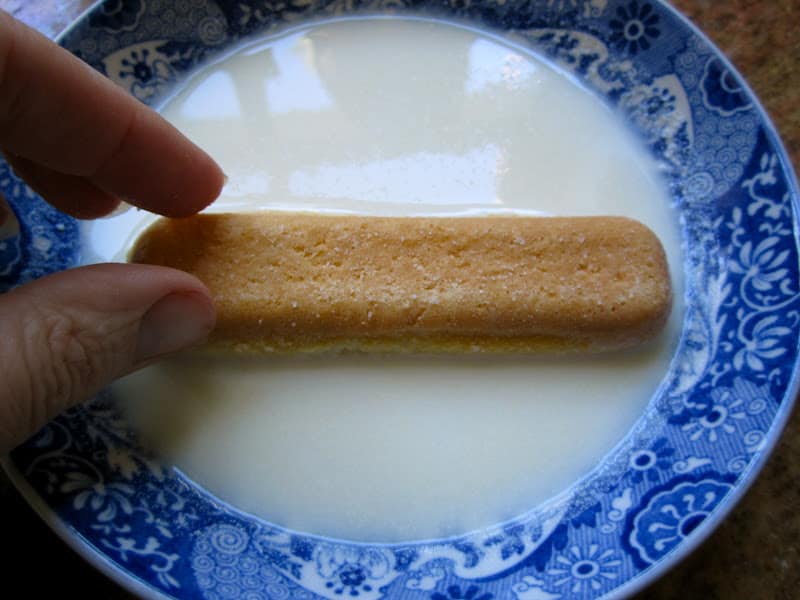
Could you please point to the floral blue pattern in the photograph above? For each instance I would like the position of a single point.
(117, 15)
(670, 513)
(724, 400)
(146, 72)
(454, 593)
(722, 91)
(647, 462)
(588, 570)
(635, 27)
(37, 239)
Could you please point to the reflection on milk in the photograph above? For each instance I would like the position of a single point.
(297, 85)
(397, 117)
(492, 65)
(468, 179)
(214, 99)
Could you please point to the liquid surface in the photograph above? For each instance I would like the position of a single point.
(399, 117)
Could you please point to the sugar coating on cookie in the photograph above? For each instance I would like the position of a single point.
(304, 282)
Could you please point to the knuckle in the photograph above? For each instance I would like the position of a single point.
(69, 354)
(64, 360)
(73, 353)
(53, 355)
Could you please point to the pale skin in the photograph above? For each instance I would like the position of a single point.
(85, 145)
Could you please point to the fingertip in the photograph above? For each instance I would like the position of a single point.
(203, 185)
(159, 169)
(142, 284)
(217, 181)
(175, 322)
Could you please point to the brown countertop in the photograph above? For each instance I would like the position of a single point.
(755, 553)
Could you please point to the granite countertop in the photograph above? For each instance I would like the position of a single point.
(755, 553)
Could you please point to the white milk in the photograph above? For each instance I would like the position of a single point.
(399, 117)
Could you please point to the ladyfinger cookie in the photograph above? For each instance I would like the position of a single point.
(296, 282)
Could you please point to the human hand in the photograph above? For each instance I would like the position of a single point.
(84, 145)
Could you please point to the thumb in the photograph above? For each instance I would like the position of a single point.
(66, 336)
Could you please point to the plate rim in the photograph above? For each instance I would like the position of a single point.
(638, 581)
(777, 427)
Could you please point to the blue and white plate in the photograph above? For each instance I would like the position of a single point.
(698, 446)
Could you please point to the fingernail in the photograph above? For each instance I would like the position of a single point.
(121, 209)
(175, 322)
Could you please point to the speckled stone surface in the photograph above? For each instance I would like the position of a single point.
(754, 554)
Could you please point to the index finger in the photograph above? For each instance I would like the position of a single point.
(58, 112)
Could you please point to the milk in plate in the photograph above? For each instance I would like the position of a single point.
(399, 117)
